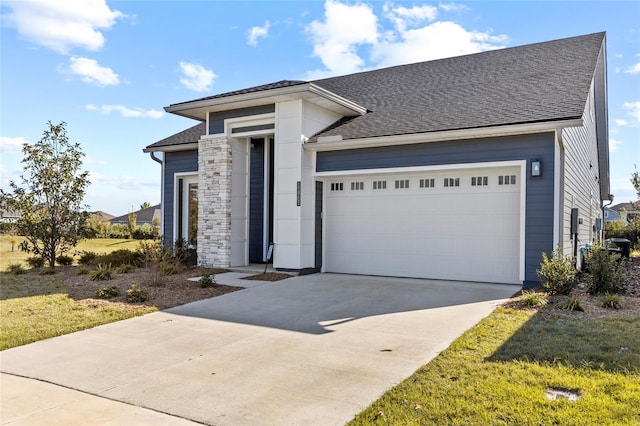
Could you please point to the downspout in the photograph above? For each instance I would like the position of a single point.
(604, 206)
(161, 162)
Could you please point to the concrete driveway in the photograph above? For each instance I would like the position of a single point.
(315, 349)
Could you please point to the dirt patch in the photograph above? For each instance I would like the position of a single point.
(269, 276)
(170, 291)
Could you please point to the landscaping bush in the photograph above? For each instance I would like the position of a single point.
(15, 268)
(621, 229)
(83, 271)
(136, 295)
(101, 273)
(87, 258)
(119, 231)
(571, 304)
(122, 257)
(611, 301)
(531, 299)
(557, 274)
(35, 261)
(125, 269)
(604, 274)
(207, 281)
(107, 292)
(144, 232)
(64, 260)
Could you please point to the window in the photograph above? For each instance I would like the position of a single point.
(480, 181)
(337, 186)
(427, 183)
(451, 182)
(402, 184)
(187, 209)
(357, 186)
(507, 180)
(379, 184)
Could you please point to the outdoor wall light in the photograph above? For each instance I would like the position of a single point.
(536, 168)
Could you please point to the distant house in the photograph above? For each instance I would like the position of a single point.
(144, 216)
(611, 215)
(104, 217)
(350, 174)
(9, 216)
(626, 211)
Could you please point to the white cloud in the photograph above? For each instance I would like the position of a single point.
(415, 36)
(124, 111)
(634, 69)
(196, 77)
(434, 41)
(403, 17)
(453, 7)
(93, 73)
(621, 122)
(8, 144)
(633, 110)
(336, 38)
(614, 144)
(62, 25)
(256, 33)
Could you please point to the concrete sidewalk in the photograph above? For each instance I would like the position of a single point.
(315, 349)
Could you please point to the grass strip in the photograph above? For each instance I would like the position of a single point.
(35, 309)
(499, 372)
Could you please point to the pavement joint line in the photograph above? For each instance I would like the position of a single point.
(104, 397)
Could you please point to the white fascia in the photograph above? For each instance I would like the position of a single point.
(199, 109)
(335, 143)
(173, 148)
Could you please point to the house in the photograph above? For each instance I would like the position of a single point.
(101, 216)
(610, 215)
(626, 211)
(352, 174)
(143, 216)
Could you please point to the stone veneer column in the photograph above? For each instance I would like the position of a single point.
(214, 201)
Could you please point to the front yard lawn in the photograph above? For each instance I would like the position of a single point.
(507, 369)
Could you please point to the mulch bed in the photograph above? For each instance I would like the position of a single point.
(269, 276)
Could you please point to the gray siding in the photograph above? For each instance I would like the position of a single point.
(175, 162)
(216, 119)
(581, 179)
(539, 201)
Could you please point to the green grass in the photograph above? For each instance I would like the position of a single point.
(36, 307)
(98, 245)
(498, 372)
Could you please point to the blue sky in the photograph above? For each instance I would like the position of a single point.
(108, 68)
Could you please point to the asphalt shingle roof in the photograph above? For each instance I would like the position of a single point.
(189, 136)
(538, 82)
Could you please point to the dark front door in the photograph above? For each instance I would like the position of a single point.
(318, 225)
(260, 198)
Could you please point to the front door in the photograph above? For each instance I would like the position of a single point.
(260, 198)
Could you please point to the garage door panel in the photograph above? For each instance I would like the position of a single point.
(461, 233)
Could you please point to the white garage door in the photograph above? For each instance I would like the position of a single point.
(455, 225)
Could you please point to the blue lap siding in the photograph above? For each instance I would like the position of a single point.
(539, 197)
(175, 162)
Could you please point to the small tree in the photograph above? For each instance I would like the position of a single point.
(145, 205)
(133, 220)
(51, 197)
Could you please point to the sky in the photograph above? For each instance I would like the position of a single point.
(108, 68)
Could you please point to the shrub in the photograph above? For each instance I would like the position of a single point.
(207, 281)
(144, 232)
(557, 274)
(119, 230)
(15, 268)
(87, 258)
(101, 273)
(184, 253)
(125, 269)
(107, 292)
(611, 301)
(604, 274)
(531, 299)
(48, 271)
(83, 271)
(122, 257)
(64, 260)
(136, 295)
(571, 304)
(35, 261)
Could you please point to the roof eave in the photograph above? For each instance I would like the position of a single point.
(441, 136)
(315, 94)
(171, 148)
